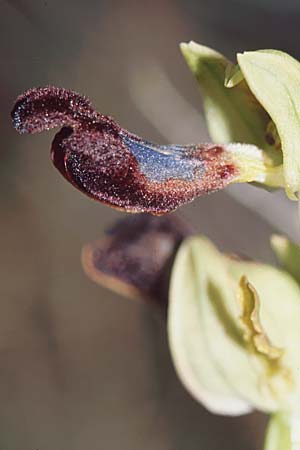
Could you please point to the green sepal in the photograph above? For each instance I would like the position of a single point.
(288, 254)
(233, 115)
(274, 79)
(226, 371)
(283, 432)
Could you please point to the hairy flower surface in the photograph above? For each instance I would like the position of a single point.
(136, 255)
(122, 170)
(233, 325)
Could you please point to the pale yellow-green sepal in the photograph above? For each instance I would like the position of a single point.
(274, 78)
(288, 254)
(283, 432)
(234, 115)
(188, 335)
(207, 339)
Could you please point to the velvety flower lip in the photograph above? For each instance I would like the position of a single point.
(136, 255)
(114, 166)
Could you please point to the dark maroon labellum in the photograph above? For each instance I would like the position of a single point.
(114, 166)
(136, 256)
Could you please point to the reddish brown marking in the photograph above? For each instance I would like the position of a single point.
(227, 171)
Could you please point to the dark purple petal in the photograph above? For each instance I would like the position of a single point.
(136, 256)
(114, 166)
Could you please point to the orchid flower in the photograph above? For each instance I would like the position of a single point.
(115, 167)
(233, 325)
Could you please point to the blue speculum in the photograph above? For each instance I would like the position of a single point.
(115, 167)
(165, 162)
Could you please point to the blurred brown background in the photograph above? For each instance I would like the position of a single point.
(80, 367)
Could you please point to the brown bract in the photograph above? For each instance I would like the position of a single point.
(136, 256)
(114, 166)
